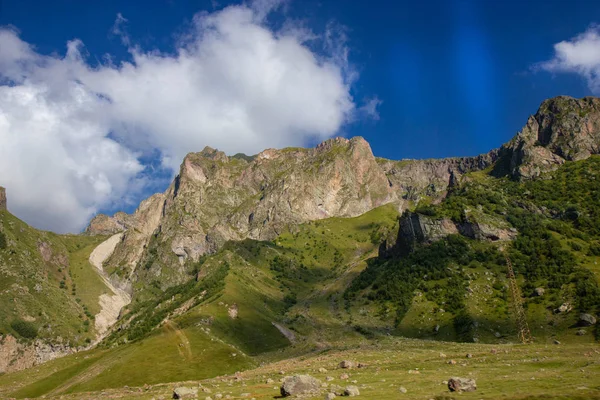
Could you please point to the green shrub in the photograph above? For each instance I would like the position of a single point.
(24, 329)
(2, 241)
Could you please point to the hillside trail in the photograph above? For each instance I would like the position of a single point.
(185, 343)
(110, 305)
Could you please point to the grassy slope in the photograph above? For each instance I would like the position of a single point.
(501, 371)
(59, 295)
(258, 290)
(169, 355)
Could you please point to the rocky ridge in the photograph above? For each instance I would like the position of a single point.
(216, 198)
(563, 129)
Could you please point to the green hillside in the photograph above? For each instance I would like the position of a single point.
(47, 287)
(557, 249)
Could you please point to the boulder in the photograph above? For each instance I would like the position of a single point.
(346, 364)
(457, 384)
(329, 396)
(565, 307)
(586, 319)
(300, 385)
(351, 391)
(183, 392)
(539, 291)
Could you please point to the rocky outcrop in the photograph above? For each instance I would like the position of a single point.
(563, 129)
(15, 356)
(102, 224)
(2, 199)
(414, 179)
(416, 228)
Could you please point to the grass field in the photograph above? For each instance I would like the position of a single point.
(169, 355)
(421, 367)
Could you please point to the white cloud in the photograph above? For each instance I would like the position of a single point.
(370, 108)
(71, 134)
(580, 55)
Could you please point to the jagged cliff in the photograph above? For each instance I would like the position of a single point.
(216, 198)
(563, 129)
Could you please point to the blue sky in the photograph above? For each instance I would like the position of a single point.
(448, 78)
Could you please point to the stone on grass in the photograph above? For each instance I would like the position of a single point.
(346, 364)
(351, 391)
(457, 384)
(182, 392)
(329, 396)
(402, 389)
(300, 385)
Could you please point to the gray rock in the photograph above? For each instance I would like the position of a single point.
(586, 319)
(581, 332)
(456, 384)
(351, 391)
(183, 392)
(565, 307)
(329, 396)
(539, 291)
(346, 364)
(300, 385)
(402, 389)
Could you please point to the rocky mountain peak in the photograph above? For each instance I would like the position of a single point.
(2, 198)
(216, 198)
(563, 129)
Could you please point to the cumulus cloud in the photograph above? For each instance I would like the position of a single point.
(579, 55)
(72, 134)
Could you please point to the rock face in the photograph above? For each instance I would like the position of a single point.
(15, 356)
(104, 225)
(414, 179)
(216, 198)
(2, 198)
(300, 385)
(419, 228)
(563, 129)
(462, 385)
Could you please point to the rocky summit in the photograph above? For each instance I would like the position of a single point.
(323, 271)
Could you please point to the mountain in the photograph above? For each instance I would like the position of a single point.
(250, 259)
